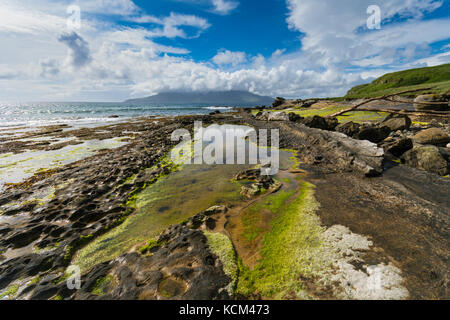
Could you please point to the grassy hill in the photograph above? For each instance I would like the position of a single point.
(437, 78)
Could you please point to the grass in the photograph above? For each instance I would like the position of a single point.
(290, 249)
(437, 78)
(222, 247)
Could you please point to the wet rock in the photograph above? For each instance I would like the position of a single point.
(374, 134)
(400, 147)
(190, 272)
(350, 128)
(426, 158)
(397, 122)
(433, 136)
(423, 99)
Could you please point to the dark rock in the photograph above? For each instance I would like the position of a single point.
(426, 158)
(400, 147)
(350, 129)
(294, 117)
(315, 122)
(332, 123)
(374, 134)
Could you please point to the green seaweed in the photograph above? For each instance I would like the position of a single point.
(101, 285)
(290, 249)
(150, 244)
(10, 292)
(222, 247)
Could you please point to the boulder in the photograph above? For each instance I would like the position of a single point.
(294, 117)
(434, 136)
(332, 123)
(278, 116)
(374, 134)
(432, 98)
(400, 147)
(349, 128)
(316, 122)
(397, 122)
(426, 158)
(263, 116)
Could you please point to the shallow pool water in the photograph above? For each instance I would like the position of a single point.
(14, 168)
(171, 200)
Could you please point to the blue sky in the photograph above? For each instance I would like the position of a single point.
(134, 48)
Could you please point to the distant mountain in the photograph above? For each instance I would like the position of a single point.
(223, 98)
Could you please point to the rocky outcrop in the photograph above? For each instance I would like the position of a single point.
(426, 158)
(334, 151)
(260, 183)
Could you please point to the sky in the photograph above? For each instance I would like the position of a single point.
(113, 50)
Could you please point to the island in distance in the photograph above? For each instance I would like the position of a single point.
(222, 98)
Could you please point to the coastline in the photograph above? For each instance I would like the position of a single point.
(47, 219)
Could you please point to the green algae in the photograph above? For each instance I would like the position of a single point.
(101, 285)
(222, 247)
(169, 200)
(152, 243)
(10, 292)
(355, 116)
(289, 250)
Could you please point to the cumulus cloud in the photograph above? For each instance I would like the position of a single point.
(227, 57)
(79, 54)
(115, 62)
(224, 6)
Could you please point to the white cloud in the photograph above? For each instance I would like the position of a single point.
(227, 57)
(172, 23)
(224, 6)
(109, 62)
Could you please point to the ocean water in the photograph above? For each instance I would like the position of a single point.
(86, 113)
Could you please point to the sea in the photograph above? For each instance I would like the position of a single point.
(91, 113)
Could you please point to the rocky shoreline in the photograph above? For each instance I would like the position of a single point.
(377, 217)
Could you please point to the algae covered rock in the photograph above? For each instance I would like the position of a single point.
(427, 158)
(434, 136)
(420, 102)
